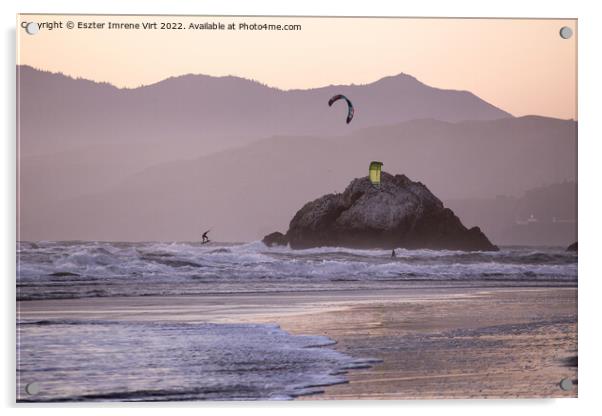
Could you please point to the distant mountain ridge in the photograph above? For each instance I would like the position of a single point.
(546, 215)
(247, 192)
(201, 114)
(159, 161)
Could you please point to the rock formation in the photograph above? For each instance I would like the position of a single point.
(399, 213)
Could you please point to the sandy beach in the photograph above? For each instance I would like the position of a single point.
(431, 342)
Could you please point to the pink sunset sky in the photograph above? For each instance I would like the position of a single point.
(520, 65)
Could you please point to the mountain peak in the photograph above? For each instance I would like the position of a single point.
(400, 77)
(222, 112)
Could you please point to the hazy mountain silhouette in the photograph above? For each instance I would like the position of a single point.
(247, 192)
(546, 215)
(200, 114)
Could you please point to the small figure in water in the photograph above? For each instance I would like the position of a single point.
(393, 253)
(205, 238)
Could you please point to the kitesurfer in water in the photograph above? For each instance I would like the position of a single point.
(205, 238)
(393, 254)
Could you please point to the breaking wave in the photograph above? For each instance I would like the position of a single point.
(84, 269)
(89, 360)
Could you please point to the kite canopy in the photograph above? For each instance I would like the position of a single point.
(350, 109)
(374, 173)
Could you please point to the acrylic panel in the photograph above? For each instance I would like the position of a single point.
(295, 208)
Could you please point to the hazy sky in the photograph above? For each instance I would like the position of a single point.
(521, 66)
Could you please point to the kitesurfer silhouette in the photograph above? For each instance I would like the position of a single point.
(205, 238)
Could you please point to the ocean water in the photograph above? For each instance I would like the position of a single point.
(132, 361)
(59, 270)
(85, 359)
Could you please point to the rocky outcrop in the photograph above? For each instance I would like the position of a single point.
(572, 247)
(400, 213)
(275, 239)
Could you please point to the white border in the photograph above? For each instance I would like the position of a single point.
(590, 230)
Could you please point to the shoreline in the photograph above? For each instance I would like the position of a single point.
(433, 342)
(495, 356)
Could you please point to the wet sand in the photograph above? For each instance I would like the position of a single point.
(433, 342)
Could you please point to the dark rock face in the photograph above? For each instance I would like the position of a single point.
(401, 213)
(275, 239)
(572, 247)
